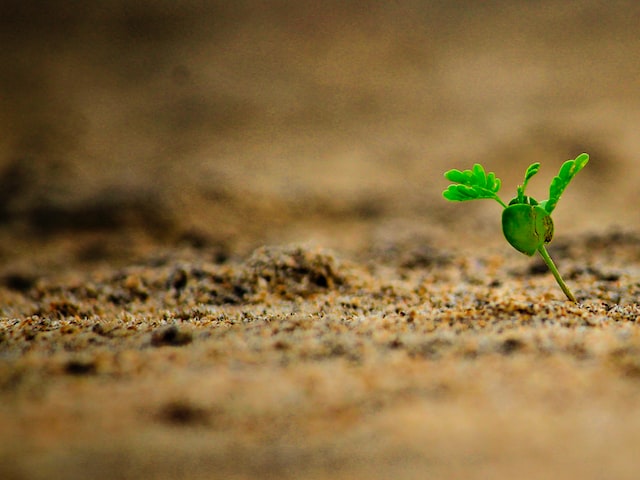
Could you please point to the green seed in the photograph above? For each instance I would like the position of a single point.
(527, 227)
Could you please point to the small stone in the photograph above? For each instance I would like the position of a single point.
(171, 336)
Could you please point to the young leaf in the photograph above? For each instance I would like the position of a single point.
(472, 184)
(531, 171)
(559, 183)
(479, 175)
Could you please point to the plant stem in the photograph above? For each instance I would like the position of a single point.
(556, 273)
(499, 200)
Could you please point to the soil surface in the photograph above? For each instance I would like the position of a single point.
(224, 252)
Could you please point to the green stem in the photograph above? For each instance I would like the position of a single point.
(556, 273)
(499, 200)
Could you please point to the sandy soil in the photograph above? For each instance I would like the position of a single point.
(225, 254)
(297, 362)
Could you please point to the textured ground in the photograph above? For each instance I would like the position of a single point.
(224, 251)
(296, 362)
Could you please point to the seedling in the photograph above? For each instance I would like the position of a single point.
(526, 223)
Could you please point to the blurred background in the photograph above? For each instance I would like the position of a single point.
(246, 122)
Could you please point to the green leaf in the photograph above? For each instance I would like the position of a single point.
(559, 183)
(479, 175)
(531, 171)
(491, 181)
(472, 184)
(456, 176)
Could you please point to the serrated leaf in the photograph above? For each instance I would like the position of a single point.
(568, 170)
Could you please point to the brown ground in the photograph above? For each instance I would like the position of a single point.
(225, 253)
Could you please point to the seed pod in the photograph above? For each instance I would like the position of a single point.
(527, 227)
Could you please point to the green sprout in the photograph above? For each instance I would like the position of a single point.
(526, 223)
